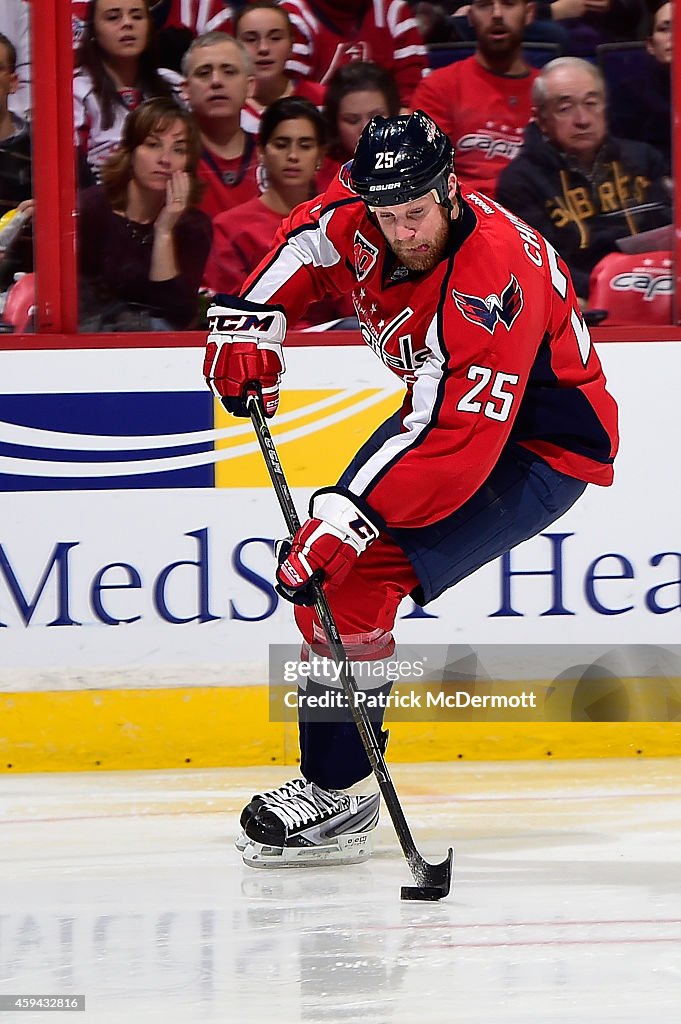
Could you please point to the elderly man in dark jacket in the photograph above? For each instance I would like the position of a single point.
(582, 188)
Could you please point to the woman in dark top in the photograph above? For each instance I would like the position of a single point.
(142, 242)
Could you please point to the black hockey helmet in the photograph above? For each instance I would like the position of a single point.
(399, 159)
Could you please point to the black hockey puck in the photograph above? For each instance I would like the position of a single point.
(429, 893)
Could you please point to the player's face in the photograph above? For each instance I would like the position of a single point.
(265, 35)
(498, 25)
(354, 112)
(163, 152)
(292, 154)
(217, 84)
(659, 45)
(417, 232)
(574, 114)
(121, 28)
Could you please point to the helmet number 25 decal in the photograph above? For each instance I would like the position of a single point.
(385, 161)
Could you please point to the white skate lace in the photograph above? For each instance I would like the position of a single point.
(283, 792)
(313, 804)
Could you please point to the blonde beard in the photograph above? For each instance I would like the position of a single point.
(426, 260)
(422, 261)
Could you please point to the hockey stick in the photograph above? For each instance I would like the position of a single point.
(433, 880)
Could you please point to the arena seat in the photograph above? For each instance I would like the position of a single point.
(622, 63)
(634, 288)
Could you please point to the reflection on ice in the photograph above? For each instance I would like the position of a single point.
(125, 887)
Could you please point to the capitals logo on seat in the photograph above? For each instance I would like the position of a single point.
(494, 309)
(365, 255)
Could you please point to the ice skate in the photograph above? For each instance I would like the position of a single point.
(314, 826)
(269, 796)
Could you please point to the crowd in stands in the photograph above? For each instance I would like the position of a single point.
(199, 125)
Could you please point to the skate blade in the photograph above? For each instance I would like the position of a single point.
(353, 848)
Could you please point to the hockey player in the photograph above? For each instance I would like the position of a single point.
(505, 420)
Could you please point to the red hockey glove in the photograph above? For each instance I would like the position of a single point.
(325, 547)
(243, 351)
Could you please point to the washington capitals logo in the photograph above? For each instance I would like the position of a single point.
(488, 312)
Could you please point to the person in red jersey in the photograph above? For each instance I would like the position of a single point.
(265, 30)
(328, 35)
(218, 80)
(291, 146)
(505, 421)
(484, 102)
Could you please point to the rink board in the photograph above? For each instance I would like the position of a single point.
(136, 556)
(212, 727)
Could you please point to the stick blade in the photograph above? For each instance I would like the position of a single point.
(435, 880)
(425, 893)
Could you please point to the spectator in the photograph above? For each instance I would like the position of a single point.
(641, 108)
(116, 70)
(291, 145)
(582, 188)
(592, 22)
(181, 21)
(15, 25)
(356, 92)
(328, 34)
(218, 80)
(575, 26)
(484, 102)
(142, 243)
(265, 30)
(15, 171)
(193, 16)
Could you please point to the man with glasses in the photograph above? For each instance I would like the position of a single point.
(483, 102)
(581, 187)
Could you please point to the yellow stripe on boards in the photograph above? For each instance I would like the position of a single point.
(216, 726)
(319, 455)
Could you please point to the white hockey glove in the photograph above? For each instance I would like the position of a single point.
(243, 352)
(325, 547)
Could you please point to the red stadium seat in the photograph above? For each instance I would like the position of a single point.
(20, 304)
(633, 288)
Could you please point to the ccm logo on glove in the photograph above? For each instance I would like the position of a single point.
(244, 352)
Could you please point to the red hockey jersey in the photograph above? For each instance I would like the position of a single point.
(490, 344)
(228, 183)
(328, 35)
(484, 115)
(241, 237)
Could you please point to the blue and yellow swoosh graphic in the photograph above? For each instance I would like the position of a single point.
(119, 440)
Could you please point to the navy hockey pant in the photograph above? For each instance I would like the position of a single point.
(521, 497)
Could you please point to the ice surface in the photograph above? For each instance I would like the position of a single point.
(565, 908)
